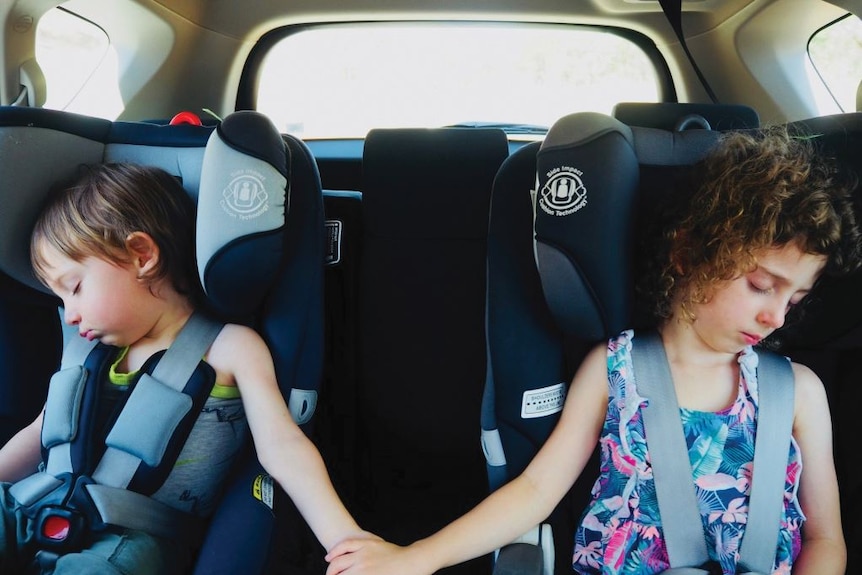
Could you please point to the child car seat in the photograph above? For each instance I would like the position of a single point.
(561, 278)
(264, 270)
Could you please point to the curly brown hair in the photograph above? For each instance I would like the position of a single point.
(756, 189)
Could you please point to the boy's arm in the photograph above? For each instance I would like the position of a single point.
(511, 510)
(282, 447)
(823, 548)
(22, 454)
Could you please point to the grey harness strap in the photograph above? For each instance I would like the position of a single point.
(672, 474)
(118, 466)
(161, 402)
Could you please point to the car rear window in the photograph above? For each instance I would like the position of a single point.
(338, 81)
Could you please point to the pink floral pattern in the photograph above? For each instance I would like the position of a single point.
(620, 531)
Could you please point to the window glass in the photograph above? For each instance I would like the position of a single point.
(79, 65)
(341, 80)
(836, 52)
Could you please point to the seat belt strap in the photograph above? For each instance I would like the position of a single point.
(182, 357)
(771, 448)
(117, 466)
(76, 350)
(673, 12)
(671, 468)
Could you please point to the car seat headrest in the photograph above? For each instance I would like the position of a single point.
(238, 171)
(586, 184)
(243, 201)
(681, 116)
(37, 150)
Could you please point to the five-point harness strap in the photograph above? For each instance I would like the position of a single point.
(164, 388)
(140, 435)
(686, 546)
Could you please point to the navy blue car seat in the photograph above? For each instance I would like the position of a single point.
(561, 274)
(261, 264)
(566, 215)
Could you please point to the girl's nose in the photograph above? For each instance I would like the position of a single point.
(773, 316)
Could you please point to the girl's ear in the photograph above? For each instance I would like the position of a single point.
(144, 252)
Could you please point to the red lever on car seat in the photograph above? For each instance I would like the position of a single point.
(186, 117)
(56, 528)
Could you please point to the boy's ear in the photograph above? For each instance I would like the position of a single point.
(144, 251)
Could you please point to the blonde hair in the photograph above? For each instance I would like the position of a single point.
(96, 213)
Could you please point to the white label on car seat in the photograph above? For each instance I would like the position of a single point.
(333, 242)
(564, 193)
(544, 401)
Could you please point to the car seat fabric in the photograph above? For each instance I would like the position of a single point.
(663, 159)
(29, 337)
(828, 337)
(425, 197)
(561, 277)
(680, 116)
(41, 147)
(575, 229)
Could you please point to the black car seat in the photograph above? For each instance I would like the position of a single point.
(679, 116)
(262, 267)
(566, 217)
(828, 338)
(538, 330)
(421, 362)
(561, 278)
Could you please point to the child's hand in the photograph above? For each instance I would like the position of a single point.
(366, 556)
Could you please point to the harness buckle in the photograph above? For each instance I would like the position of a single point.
(59, 528)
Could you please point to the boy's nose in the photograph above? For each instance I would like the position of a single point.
(71, 317)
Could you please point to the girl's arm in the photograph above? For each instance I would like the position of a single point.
(22, 454)
(511, 510)
(823, 549)
(282, 448)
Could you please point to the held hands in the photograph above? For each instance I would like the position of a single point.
(363, 556)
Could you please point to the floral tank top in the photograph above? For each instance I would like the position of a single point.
(620, 531)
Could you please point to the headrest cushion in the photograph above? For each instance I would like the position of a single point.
(587, 179)
(242, 205)
(37, 151)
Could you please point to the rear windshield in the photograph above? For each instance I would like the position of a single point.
(338, 81)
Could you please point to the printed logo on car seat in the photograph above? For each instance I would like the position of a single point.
(564, 193)
(245, 196)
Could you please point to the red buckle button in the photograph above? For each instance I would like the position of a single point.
(56, 528)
